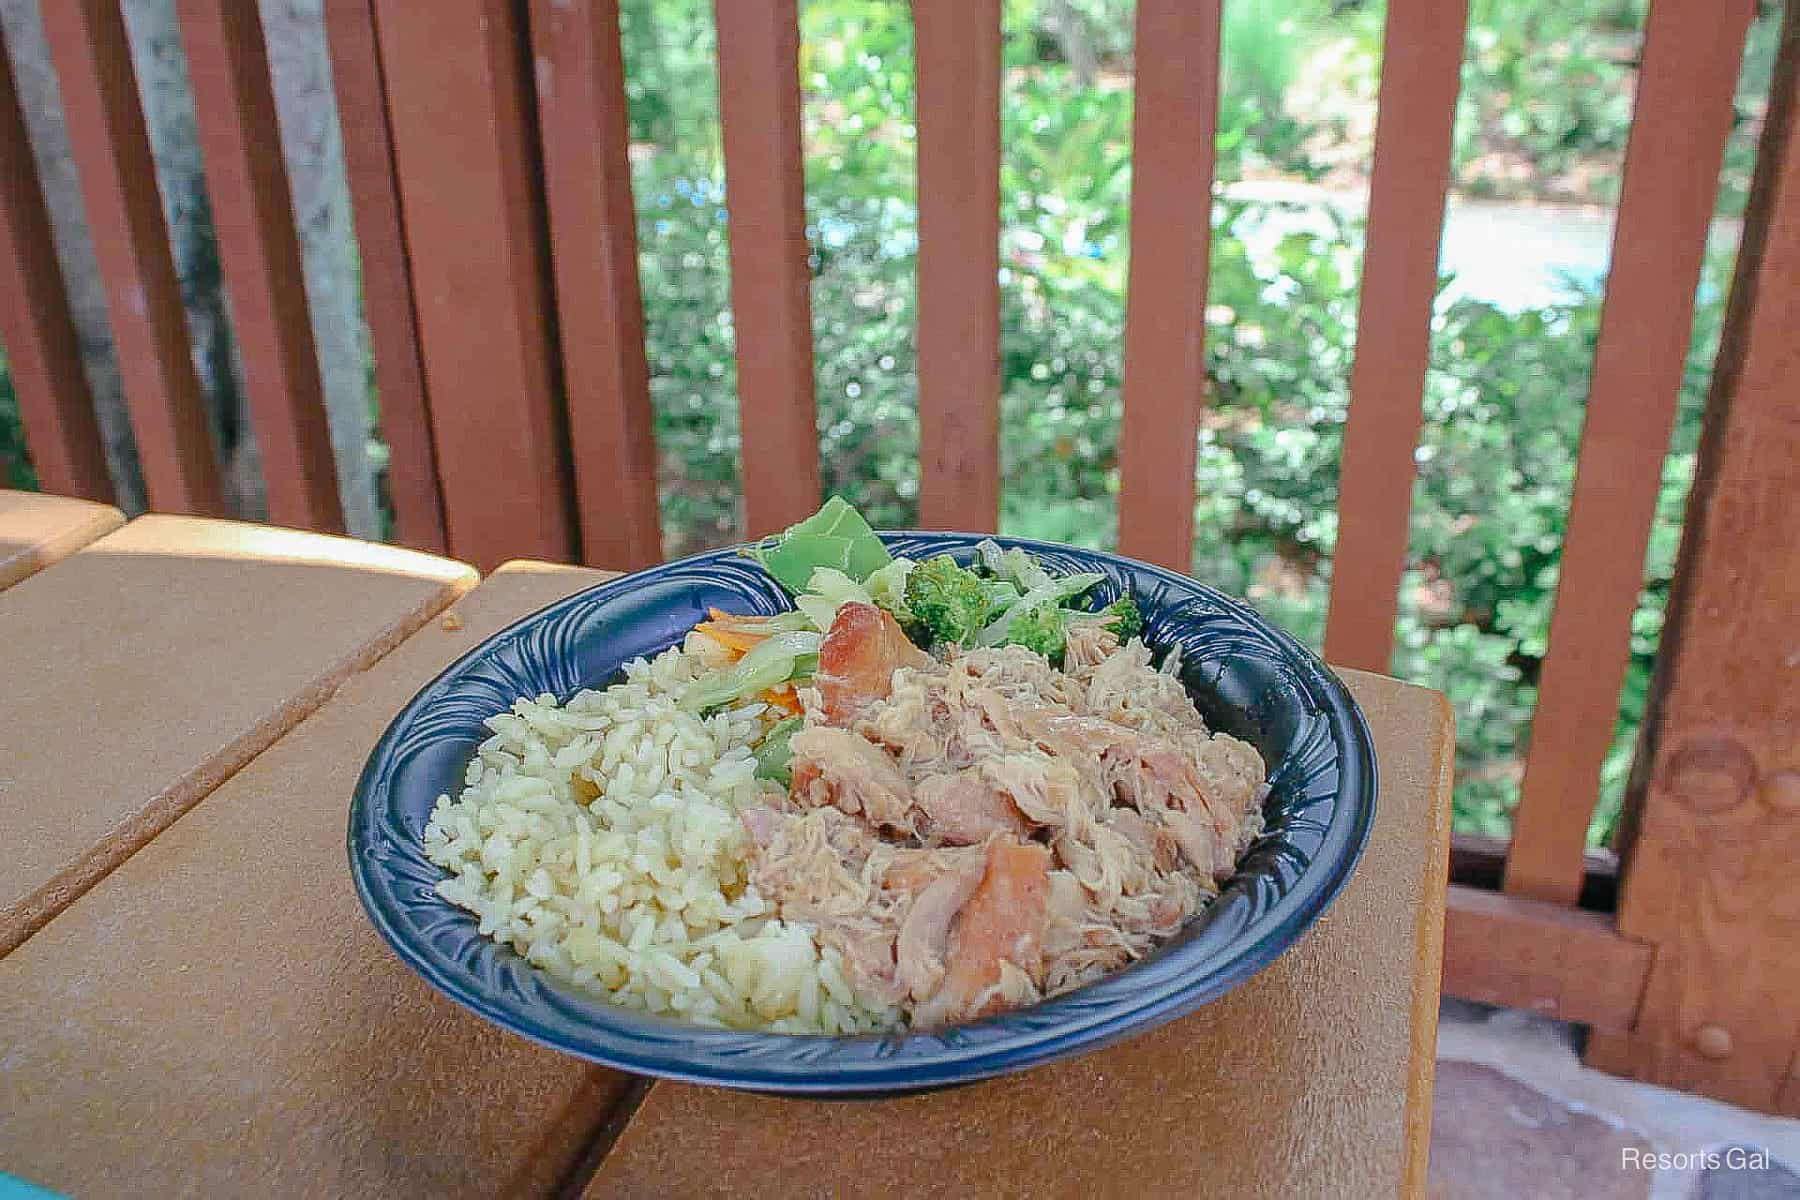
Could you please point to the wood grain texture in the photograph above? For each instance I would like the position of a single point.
(259, 250)
(1173, 125)
(1559, 962)
(404, 413)
(37, 530)
(600, 308)
(131, 243)
(43, 353)
(1438, 733)
(1684, 98)
(1420, 75)
(150, 665)
(771, 306)
(1709, 856)
(1323, 1063)
(284, 1051)
(464, 146)
(956, 51)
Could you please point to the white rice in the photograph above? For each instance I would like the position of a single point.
(601, 840)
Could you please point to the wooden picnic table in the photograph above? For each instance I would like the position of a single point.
(191, 1000)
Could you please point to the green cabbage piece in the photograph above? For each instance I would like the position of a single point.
(1013, 566)
(771, 662)
(836, 536)
(826, 591)
(1054, 592)
(774, 757)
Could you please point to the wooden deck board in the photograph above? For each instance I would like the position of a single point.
(218, 1017)
(148, 666)
(37, 530)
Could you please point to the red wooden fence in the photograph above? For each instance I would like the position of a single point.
(486, 152)
(1177, 105)
(131, 243)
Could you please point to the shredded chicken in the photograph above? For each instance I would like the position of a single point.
(977, 834)
(839, 768)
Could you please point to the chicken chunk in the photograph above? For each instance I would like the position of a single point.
(858, 658)
(975, 834)
(962, 808)
(924, 938)
(852, 774)
(1126, 690)
(996, 949)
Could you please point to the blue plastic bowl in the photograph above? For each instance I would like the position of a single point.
(1248, 679)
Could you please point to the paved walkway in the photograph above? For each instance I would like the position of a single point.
(1518, 1115)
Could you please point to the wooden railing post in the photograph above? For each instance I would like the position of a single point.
(1690, 66)
(957, 52)
(1710, 850)
(1175, 115)
(600, 307)
(1422, 52)
(465, 150)
(38, 330)
(234, 103)
(404, 410)
(771, 284)
(131, 243)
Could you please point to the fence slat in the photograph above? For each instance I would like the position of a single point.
(1174, 119)
(253, 212)
(1684, 98)
(765, 190)
(587, 180)
(131, 243)
(1420, 72)
(42, 350)
(957, 63)
(1714, 832)
(460, 113)
(404, 416)
(1562, 963)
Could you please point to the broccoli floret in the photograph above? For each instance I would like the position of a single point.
(1124, 618)
(949, 602)
(1043, 627)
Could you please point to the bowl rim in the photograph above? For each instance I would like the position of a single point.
(1168, 984)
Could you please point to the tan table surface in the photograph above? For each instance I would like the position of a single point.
(218, 1017)
(146, 667)
(37, 530)
(1313, 1079)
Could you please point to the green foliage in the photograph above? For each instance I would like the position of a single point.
(1583, 53)
(15, 464)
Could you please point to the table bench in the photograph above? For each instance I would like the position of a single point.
(205, 1009)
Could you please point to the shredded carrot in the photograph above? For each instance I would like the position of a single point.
(732, 639)
(784, 698)
(735, 631)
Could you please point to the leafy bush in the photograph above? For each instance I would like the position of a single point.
(15, 464)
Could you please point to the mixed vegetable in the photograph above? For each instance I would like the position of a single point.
(1005, 597)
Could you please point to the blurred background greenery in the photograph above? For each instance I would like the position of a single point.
(1539, 138)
